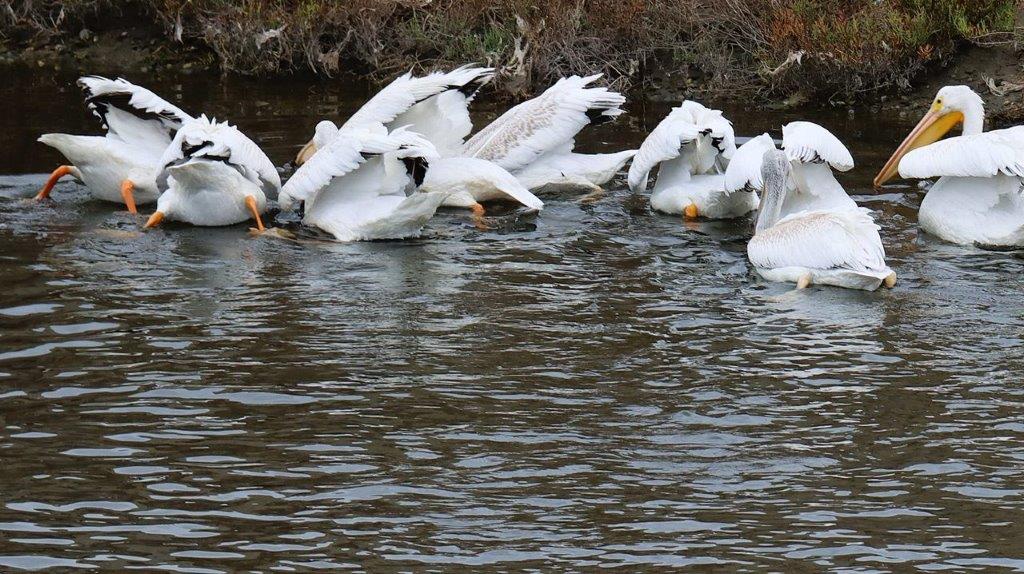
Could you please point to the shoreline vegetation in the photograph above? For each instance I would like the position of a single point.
(794, 51)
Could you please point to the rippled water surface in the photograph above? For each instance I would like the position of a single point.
(601, 387)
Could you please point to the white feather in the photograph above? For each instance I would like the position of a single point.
(132, 113)
(564, 167)
(407, 91)
(221, 139)
(538, 126)
(808, 142)
(354, 188)
(979, 155)
(822, 240)
(664, 143)
(345, 155)
(139, 127)
(690, 148)
(744, 171)
(472, 180)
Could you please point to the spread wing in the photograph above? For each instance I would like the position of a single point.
(664, 143)
(407, 91)
(203, 137)
(807, 142)
(535, 127)
(132, 113)
(744, 171)
(695, 139)
(346, 155)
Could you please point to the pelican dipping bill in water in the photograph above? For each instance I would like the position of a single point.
(533, 140)
(978, 198)
(813, 153)
(373, 184)
(355, 187)
(828, 247)
(213, 175)
(691, 148)
(121, 166)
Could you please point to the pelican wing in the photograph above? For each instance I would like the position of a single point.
(664, 143)
(678, 139)
(845, 239)
(714, 125)
(344, 156)
(203, 137)
(980, 155)
(339, 157)
(442, 119)
(566, 167)
(807, 142)
(407, 91)
(132, 113)
(744, 171)
(538, 126)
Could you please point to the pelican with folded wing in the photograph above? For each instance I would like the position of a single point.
(978, 197)
(213, 175)
(837, 246)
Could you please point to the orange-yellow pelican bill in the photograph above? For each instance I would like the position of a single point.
(155, 219)
(305, 153)
(932, 126)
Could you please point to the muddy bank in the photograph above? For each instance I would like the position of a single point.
(819, 51)
(995, 72)
(138, 42)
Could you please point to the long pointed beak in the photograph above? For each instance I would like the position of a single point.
(155, 219)
(305, 153)
(930, 129)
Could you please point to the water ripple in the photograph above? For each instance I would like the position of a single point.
(607, 388)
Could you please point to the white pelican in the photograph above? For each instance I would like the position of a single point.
(355, 187)
(692, 146)
(120, 167)
(978, 196)
(534, 140)
(213, 175)
(829, 247)
(435, 106)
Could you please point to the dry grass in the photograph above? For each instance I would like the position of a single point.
(813, 46)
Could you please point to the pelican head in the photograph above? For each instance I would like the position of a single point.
(325, 131)
(952, 106)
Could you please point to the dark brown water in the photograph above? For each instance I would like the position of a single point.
(610, 389)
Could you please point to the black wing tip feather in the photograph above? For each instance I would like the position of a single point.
(470, 88)
(122, 101)
(417, 168)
